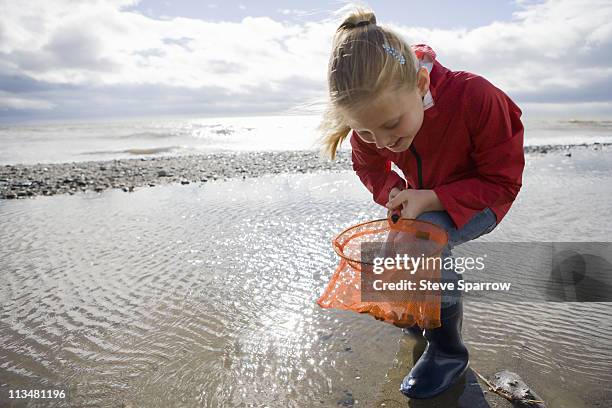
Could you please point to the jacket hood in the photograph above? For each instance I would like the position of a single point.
(426, 57)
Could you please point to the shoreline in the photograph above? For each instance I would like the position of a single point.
(31, 180)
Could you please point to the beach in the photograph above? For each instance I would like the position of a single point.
(173, 232)
(203, 294)
(27, 180)
(17, 181)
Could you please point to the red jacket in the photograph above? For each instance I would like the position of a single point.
(469, 149)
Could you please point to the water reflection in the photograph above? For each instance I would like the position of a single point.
(204, 295)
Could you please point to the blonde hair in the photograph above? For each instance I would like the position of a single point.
(359, 71)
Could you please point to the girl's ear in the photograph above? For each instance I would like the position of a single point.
(423, 81)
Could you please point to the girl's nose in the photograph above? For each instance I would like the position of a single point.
(383, 139)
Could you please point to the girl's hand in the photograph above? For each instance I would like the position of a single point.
(394, 191)
(392, 194)
(414, 202)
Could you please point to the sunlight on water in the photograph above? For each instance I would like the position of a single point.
(61, 142)
(204, 295)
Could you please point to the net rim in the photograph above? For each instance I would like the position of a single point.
(339, 248)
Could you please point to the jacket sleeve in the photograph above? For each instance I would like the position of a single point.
(374, 170)
(496, 132)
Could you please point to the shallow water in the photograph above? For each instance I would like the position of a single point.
(204, 295)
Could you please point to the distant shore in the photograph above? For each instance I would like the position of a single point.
(29, 180)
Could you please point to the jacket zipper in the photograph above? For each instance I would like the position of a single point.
(419, 165)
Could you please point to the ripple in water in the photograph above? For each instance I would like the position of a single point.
(204, 295)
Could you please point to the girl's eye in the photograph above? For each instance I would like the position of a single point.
(393, 126)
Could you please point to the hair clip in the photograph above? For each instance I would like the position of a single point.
(394, 53)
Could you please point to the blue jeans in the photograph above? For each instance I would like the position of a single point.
(480, 224)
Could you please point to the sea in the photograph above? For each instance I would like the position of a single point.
(78, 141)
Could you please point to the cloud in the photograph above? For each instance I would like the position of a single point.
(288, 12)
(81, 55)
(9, 101)
(44, 101)
(554, 47)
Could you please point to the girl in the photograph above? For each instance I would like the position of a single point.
(457, 139)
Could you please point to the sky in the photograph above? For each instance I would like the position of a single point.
(80, 59)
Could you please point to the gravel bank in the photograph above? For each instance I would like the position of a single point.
(21, 180)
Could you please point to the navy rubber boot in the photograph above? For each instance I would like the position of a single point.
(444, 360)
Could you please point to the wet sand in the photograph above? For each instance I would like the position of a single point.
(204, 295)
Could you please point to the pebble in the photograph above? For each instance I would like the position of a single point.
(347, 400)
(99, 175)
(62, 178)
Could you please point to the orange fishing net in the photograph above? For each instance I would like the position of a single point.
(363, 247)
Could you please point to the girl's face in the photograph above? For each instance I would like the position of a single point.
(393, 120)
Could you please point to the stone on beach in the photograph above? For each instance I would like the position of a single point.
(25, 180)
